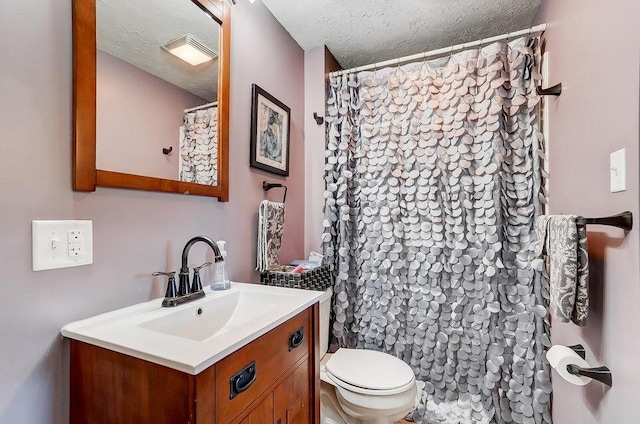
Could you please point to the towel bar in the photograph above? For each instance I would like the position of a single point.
(622, 220)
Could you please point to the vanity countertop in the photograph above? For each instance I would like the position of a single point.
(193, 336)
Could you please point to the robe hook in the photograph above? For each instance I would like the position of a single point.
(556, 90)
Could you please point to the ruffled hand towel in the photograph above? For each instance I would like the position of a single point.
(565, 245)
(270, 228)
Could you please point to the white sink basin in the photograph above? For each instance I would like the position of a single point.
(193, 336)
(218, 314)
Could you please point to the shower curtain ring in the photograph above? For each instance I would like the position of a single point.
(450, 53)
(479, 52)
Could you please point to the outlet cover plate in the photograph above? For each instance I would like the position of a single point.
(61, 244)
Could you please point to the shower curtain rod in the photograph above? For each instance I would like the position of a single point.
(442, 51)
(201, 107)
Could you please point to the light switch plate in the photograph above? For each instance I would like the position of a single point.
(618, 171)
(61, 244)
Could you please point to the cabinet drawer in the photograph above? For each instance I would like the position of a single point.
(264, 361)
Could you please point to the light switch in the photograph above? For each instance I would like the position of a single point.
(618, 171)
(61, 244)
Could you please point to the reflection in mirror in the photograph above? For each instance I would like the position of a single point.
(157, 73)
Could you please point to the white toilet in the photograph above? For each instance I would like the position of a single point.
(362, 386)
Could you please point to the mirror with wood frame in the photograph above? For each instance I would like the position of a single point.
(144, 118)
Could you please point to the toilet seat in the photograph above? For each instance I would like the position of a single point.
(371, 392)
(369, 372)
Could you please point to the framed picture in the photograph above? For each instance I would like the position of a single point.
(270, 123)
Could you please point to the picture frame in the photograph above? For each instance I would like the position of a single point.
(270, 132)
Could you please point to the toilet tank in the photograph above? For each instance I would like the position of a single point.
(325, 313)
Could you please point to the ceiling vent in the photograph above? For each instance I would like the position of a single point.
(189, 49)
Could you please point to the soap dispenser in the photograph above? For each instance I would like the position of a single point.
(221, 276)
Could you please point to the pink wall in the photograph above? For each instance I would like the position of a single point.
(314, 101)
(138, 114)
(135, 233)
(318, 62)
(593, 47)
(265, 54)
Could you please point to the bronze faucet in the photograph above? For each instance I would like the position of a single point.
(188, 292)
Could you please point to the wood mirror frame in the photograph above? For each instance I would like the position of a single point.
(85, 176)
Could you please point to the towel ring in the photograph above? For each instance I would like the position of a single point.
(268, 186)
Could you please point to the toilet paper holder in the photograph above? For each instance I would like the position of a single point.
(601, 374)
(580, 350)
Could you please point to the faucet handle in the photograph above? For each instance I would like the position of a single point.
(196, 284)
(198, 268)
(171, 284)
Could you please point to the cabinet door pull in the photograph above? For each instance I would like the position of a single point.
(242, 380)
(296, 338)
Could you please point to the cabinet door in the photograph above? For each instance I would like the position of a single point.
(291, 398)
(261, 414)
(267, 359)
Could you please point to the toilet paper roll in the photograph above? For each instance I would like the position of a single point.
(558, 351)
(560, 356)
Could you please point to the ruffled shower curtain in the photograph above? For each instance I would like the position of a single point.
(433, 181)
(199, 147)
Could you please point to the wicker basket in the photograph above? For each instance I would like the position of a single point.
(313, 279)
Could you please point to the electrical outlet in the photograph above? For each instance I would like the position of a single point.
(76, 243)
(61, 244)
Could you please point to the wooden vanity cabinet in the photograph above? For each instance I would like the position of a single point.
(280, 383)
(290, 398)
(263, 413)
(289, 403)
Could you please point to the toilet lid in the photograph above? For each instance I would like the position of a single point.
(369, 369)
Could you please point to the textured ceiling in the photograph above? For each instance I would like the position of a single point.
(135, 31)
(360, 32)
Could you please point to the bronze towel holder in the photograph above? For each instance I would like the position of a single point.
(622, 220)
(268, 186)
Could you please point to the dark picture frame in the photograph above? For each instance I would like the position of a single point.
(270, 132)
